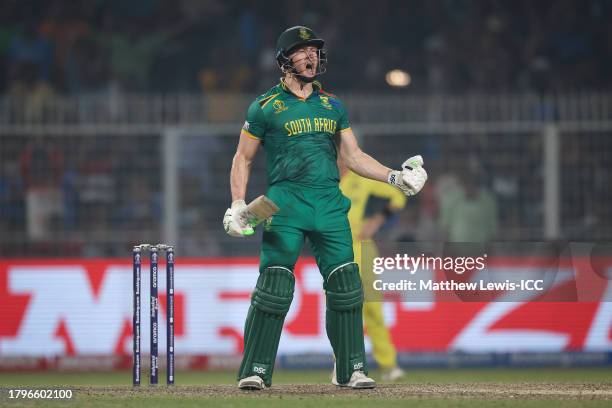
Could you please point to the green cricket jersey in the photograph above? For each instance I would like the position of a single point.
(298, 135)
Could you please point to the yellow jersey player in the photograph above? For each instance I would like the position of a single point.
(364, 226)
(303, 129)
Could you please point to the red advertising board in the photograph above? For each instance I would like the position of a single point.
(84, 308)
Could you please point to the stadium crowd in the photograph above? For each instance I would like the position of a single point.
(90, 46)
(92, 196)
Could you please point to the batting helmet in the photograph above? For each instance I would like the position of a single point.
(295, 37)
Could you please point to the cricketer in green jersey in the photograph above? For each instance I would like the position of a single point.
(303, 129)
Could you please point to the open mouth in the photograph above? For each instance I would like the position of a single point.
(310, 69)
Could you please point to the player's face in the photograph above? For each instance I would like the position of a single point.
(305, 60)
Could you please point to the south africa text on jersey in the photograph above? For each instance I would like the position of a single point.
(306, 125)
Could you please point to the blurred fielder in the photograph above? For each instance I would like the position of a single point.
(362, 191)
(303, 129)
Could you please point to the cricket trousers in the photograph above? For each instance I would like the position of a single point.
(319, 215)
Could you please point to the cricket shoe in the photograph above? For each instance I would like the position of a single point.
(253, 382)
(358, 380)
(393, 374)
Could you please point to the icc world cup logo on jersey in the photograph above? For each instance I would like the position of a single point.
(279, 106)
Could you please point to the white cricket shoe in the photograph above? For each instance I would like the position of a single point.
(253, 382)
(393, 374)
(358, 380)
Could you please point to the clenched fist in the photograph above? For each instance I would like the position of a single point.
(411, 178)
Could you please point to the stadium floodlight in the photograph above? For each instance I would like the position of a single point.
(398, 78)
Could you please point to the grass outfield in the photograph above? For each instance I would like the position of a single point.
(585, 387)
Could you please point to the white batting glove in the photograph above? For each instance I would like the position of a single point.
(411, 178)
(232, 222)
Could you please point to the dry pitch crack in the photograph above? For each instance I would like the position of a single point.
(591, 391)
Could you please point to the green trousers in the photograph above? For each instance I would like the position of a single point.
(317, 214)
(321, 216)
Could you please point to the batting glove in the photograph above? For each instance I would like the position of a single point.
(411, 178)
(234, 225)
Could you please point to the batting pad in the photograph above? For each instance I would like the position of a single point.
(269, 305)
(344, 321)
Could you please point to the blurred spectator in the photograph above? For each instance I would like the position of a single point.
(193, 224)
(96, 182)
(250, 32)
(468, 212)
(9, 28)
(29, 89)
(133, 49)
(12, 213)
(131, 56)
(63, 27)
(88, 69)
(29, 63)
(30, 49)
(140, 213)
(42, 171)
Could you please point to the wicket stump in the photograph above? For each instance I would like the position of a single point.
(154, 310)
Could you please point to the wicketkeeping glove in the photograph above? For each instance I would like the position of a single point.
(411, 178)
(233, 224)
